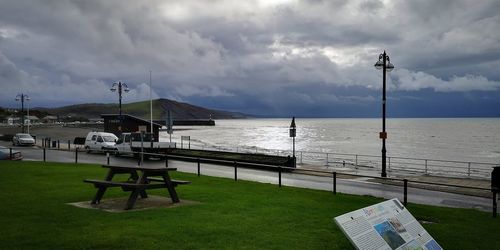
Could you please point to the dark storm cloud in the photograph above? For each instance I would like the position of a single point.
(244, 53)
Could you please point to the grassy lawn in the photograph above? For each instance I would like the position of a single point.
(232, 215)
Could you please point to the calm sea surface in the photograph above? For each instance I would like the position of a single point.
(460, 139)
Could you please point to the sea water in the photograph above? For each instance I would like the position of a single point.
(456, 139)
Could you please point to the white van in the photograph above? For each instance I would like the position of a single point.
(100, 141)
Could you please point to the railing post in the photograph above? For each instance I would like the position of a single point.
(426, 166)
(76, 155)
(495, 191)
(198, 167)
(405, 192)
(44, 154)
(279, 175)
(468, 170)
(334, 182)
(235, 171)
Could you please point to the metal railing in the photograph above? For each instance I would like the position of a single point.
(395, 164)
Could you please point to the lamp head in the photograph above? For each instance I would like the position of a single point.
(389, 67)
(379, 64)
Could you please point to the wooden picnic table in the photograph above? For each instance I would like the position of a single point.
(140, 179)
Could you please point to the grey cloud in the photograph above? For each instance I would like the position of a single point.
(225, 48)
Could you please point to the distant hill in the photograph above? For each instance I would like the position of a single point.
(179, 110)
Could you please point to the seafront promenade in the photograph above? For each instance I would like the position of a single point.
(350, 181)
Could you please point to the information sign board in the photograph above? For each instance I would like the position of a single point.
(386, 225)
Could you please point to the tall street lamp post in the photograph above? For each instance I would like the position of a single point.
(293, 134)
(120, 87)
(385, 64)
(22, 97)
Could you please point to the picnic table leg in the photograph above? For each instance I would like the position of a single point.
(132, 199)
(102, 190)
(135, 193)
(170, 187)
(135, 177)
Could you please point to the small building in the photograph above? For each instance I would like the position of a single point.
(31, 119)
(96, 120)
(49, 119)
(13, 120)
(116, 124)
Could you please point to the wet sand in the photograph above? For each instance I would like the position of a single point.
(54, 132)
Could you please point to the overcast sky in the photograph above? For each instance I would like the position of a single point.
(270, 57)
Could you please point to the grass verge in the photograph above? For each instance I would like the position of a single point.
(232, 215)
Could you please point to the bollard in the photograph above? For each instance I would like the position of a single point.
(107, 156)
(326, 163)
(44, 154)
(166, 161)
(279, 175)
(334, 182)
(76, 155)
(69, 144)
(198, 167)
(426, 166)
(58, 144)
(10, 153)
(405, 191)
(343, 164)
(495, 192)
(43, 143)
(235, 172)
(468, 170)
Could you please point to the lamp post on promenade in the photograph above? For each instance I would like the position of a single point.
(293, 134)
(120, 87)
(384, 63)
(22, 97)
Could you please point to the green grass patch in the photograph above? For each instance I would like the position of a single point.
(231, 215)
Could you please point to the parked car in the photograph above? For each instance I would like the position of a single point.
(23, 140)
(100, 141)
(5, 154)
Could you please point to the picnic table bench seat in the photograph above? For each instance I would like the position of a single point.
(176, 182)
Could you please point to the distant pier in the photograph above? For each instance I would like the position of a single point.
(189, 122)
(197, 122)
